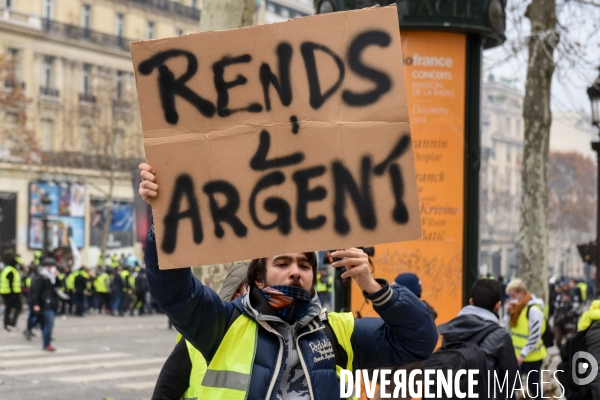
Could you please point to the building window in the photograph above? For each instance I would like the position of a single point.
(119, 26)
(285, 12)
(7, 3)
(48, 9)
(194, 4)
(118, 142)
(150, 30)
(271, 8)
(13, 59)
(119, 86)
(47, 72)
(85, 79)
(86, 140)
(47, 141)
(86, 20)
(518, 124)
(508, 126)
(508, 153)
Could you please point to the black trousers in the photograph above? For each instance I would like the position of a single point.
(12, 301)
(533, 379)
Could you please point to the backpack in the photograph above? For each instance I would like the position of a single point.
(564, 372)
(462, 355)
(548, 335)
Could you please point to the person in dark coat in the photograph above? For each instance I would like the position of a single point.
(497, 346)
(82, 284)
(174, 378)
(118, 286)
(45, 294)
(141, 293)
(590, 322)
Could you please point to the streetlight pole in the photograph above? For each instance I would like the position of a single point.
(594, 95)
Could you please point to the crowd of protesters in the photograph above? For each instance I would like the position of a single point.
(50, 287)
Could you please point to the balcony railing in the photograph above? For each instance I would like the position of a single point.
(51, 92)
(172, 7)
(84, 34)
(120, 104)
(11, 84)
(87, 98)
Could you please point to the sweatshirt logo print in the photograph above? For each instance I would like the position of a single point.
(323, 348)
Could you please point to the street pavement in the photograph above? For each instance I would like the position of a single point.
(98, 357)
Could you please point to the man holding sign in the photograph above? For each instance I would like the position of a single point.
(272, 141)
(274, 342)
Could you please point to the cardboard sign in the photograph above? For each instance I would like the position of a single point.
(279, 138)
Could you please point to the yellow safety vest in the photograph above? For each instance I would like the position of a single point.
(320, 286)
(70, 281)
(198, 370)
(228, 377)
(100, 260)
(131, 281)
(520, 336)
(584, 288)
(125, 276)
(88, 284)
(100, 283)
(28, 282)
(37, 257)
(4, 283)
(115, 261)
(330, 283)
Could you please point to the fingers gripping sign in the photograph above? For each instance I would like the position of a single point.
(356, 263)
(148, 187)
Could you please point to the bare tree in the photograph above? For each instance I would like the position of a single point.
(572, 195)
(219, 15)
(112, 138)
(19, 142)
(533, 233)
(554, 48)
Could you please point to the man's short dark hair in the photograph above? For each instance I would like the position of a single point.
(486, 293)
(257, 270)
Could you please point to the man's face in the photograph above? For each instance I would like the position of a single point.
(291, 269)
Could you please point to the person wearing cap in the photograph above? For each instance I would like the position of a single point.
(277, 342)
(10, 289)
(413, 283)
(183, 371)
(45, 292)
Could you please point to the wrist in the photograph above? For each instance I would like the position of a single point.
(371, 287)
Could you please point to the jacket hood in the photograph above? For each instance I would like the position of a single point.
(536, 300)
(470, 321)
(236, 276)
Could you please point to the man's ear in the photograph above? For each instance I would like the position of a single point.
(497, 307)
(471, 301)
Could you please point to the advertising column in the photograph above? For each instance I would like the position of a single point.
(434, 69)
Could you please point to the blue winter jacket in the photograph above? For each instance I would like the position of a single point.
(404, 334)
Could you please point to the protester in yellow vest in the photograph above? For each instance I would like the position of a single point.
(102, 288)
(37, 257)
(321, 287)
(525, 317)
(10, 289)
(583, 287)
(182, 373)
(282, 310)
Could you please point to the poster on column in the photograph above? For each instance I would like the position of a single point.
(278, 138)
(434, 68)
